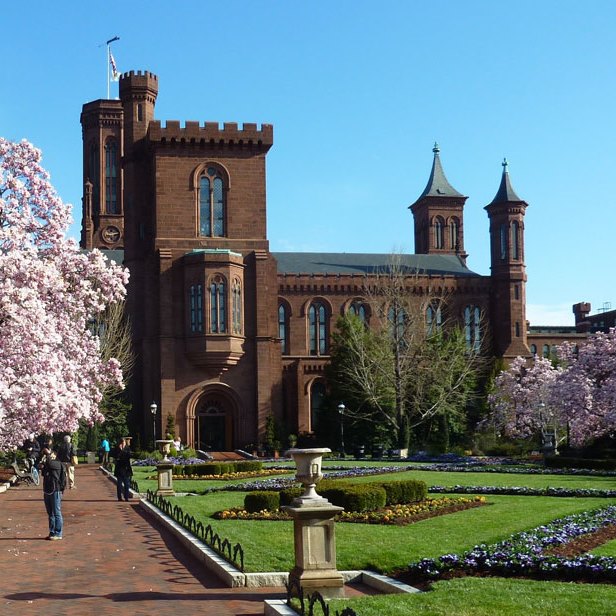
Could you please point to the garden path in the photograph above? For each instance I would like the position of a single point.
(113, 559)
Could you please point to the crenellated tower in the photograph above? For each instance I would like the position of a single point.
(508, 271)
(439, 215)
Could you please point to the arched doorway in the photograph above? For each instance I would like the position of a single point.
(214, 424)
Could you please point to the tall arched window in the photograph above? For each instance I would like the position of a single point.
(112, 205)
(439, 232)
(359, 310)
(283, 328)
(317, 325)
(396, 316)
(515, 240)
(454, 233)
(94, 177)
(236, 306)
(218, 306)
(434, 319)
(533, 349)
(212, 205)
(317, 400)
(195, 299)
(503, 242)
(472, 328)
(546, 350)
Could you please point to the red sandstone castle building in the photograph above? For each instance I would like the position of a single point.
(227, 332)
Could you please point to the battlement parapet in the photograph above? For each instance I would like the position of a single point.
(249, 134)
(139, 75)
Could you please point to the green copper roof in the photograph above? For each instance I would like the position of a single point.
(505, 192)
(361, 264)
(438, 185)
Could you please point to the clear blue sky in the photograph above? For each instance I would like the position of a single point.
(358, 92)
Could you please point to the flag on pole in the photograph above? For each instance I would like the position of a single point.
(114, 69)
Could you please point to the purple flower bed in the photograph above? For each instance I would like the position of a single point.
(523, 491)
(525, 553)
(177, 461)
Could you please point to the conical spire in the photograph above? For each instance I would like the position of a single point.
(438, 186)
(505, 190)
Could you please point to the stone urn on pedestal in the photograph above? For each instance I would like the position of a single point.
(313, 529)
(164, 469)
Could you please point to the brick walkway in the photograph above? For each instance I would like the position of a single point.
(113, 560)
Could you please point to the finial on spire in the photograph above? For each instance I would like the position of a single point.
(505, 165)
(436, 149)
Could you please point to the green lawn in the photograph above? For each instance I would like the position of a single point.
(607, 549)
(492, 597)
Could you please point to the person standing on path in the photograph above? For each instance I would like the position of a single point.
(105, 449)
(65, 455)
(123, 470)
(54, 482)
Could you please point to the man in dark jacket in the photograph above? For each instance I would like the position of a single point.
(54, 481)
(123, 470)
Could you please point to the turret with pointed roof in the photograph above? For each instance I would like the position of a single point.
(439, 215)
(508, 271)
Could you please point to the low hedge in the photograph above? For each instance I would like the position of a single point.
(259, 501)
(218, 468)
(404, 492)
(356, 497)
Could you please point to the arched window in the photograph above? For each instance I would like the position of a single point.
(434, 319)
(317, 400)
(94, 177)
(515, 240)
(396, 316)
(533, 349)
(195, 301)
(283, 328)
(317, 325)
(472, 328)
(546, 350)
(236, 306)
(212, 204)
(503, 242)
(454, 233)
(439, 232)
(359, 310)
(218, 306)
(517, 329)
(112, 205)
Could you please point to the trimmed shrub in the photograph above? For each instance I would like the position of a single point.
(356, 497)
(404, 492)
(288, 494)
(258, 501)
(246, 466)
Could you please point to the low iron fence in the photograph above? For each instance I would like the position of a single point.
(308, 602)
(222, 546)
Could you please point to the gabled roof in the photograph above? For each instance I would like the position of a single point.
(505, 191)
(438, 185)
(344, 263)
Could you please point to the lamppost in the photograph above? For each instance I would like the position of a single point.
(341, 409)
(153, 409)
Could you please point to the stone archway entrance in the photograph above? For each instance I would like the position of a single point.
(214, 423)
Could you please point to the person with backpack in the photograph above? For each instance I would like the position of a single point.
(67, 455)
(54, 483)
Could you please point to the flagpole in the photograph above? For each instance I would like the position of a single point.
(111, 40)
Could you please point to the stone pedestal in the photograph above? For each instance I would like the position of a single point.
(315, 550)
(165, 479)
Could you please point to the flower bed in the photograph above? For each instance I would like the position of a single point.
(398, 514)
(531, 554)
(229, 476)
(523, 491)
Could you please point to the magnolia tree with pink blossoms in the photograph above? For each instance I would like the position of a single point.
(578, 398)
(51, 371)
(522, 401)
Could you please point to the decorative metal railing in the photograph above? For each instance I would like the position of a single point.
(309, 601)
(223, 547)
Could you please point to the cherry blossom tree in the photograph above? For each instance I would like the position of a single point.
(51, 370)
